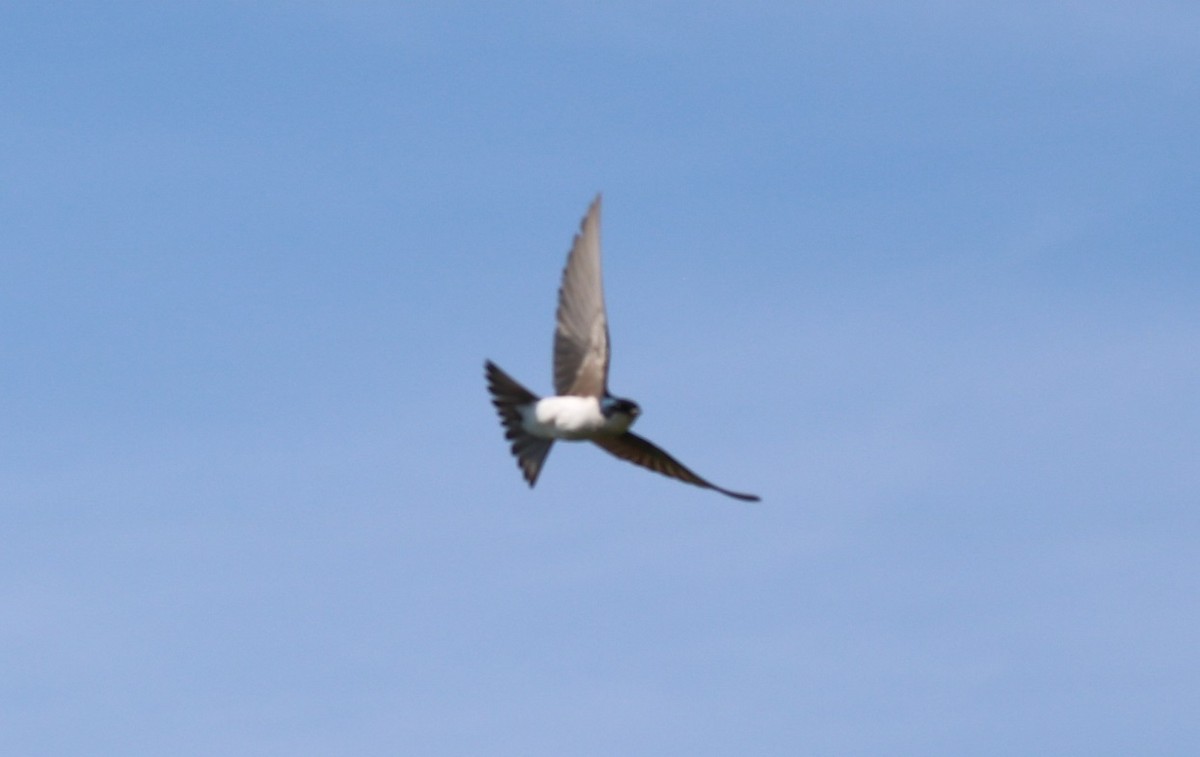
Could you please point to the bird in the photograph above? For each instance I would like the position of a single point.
(582, 409)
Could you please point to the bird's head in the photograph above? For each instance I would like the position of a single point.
(621, 411)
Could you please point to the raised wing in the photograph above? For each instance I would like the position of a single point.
(638, 451)
(581, 335)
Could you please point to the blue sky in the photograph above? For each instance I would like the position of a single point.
(923, 275)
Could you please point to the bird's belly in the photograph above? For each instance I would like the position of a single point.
(565, 418)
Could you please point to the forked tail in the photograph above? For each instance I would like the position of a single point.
(509, 397)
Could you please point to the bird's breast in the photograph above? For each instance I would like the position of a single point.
(567, 418)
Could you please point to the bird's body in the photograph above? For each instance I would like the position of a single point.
(582, 408)
(572, 418)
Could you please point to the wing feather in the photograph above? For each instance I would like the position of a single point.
(581, 348)
(639, 451)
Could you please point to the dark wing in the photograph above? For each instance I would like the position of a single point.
(581, 335)
(638, 451)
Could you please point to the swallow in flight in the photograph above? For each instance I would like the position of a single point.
(582, 409)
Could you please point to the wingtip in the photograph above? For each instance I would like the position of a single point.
(593, 211)
(739, 495)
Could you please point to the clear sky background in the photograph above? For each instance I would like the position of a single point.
(924, 275)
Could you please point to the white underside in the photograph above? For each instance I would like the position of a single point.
(571, 418)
